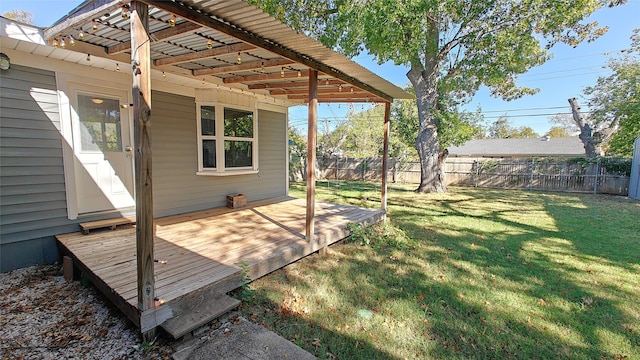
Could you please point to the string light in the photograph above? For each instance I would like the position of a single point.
(282, 72)
(94, 26)
(326, 82)
(125, 13)
(89, 57)
(352, 89)
(172, 21)
(210, 44)
(239, 59)
(72, 41)
(117, 67)
(55, 43)
(299, 73)
(262, 69)
(202, 81)
(81, 34)
(164, 75)
(63, 44)
(340, 88)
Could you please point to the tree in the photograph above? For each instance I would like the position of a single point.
(587, 135)
(615, 101)
(501, 129)
(565, 121)
(22, 16)
(297, 155)
(451, 47)
(456, 127)
(557, 132)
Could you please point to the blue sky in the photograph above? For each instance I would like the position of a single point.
(561, 78)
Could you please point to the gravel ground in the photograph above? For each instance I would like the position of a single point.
(44, 317)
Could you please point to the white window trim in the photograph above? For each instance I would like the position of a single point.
(220, 169)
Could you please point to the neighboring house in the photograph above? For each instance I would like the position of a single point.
(519, 148)
(219, 114)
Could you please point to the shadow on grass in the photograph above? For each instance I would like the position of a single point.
(484, 274)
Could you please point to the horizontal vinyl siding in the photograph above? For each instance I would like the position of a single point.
(32, 194)
(177, 188)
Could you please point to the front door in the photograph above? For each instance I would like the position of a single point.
(103, 150)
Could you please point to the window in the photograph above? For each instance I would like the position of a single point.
(99, 124)
(227, 146)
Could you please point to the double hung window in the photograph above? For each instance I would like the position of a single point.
(227, 141)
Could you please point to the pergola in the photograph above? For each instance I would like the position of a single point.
(227, 44)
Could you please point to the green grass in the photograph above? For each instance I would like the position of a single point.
(474, 273)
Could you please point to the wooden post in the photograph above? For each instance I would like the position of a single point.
(385, 155)
(311, 153)
(141, 90)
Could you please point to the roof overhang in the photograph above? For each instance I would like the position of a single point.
(225, 42)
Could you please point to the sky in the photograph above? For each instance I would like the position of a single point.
(563, 77)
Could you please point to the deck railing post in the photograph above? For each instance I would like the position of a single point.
(311, 153)
(141, 91)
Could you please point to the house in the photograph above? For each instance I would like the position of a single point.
(519, 148)
(158, 110)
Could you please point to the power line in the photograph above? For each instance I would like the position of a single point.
(561, 71)
(524, 109)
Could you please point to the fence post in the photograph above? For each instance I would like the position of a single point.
(533, 160)
(595, 180)
(364, 170)
(476, 164)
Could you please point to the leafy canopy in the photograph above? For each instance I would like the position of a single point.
(501, 129)
(615, 100)
(455, 127)
(478, 42)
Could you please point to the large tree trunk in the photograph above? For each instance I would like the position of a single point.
(424, 81)
(586, 135)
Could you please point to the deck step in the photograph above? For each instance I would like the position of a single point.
(108, 223)
(199, 315)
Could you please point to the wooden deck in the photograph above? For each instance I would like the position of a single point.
(199, 255)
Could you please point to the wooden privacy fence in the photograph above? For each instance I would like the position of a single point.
(602, 176)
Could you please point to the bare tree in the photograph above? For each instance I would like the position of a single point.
(22, 16)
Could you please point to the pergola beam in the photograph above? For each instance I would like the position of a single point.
(90, 10)
(207, 20)
(333, 91)
(205, 54)
(293, 84)
(248, 66)
(164, 34)
(265, 77)
(338, 98)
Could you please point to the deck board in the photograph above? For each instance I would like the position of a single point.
(203, 250)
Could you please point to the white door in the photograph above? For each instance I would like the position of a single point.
(102, 139)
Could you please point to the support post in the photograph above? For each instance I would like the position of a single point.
(385, 156)
(141, 91)
(311, 153)
(595, 178)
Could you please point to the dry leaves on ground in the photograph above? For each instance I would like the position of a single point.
(44, 317)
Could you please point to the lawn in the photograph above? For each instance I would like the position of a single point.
(474, 273)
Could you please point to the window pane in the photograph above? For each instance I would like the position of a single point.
(238, 123)
(99, 123)
(208, 153)
(238, 153)
(208, 120)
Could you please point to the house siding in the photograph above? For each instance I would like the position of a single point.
(33, 206)
(32, 194)
(176, 187)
